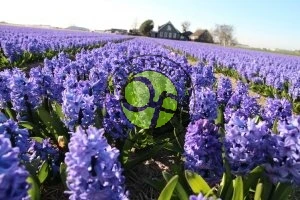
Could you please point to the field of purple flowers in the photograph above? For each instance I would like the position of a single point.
(21, 45)
(62, 124)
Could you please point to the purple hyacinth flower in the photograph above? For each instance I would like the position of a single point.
(13, 184)
(20, 137)
(224, 91)
(276, 109)
(36, 87)
(18, 91)
(78, 105)
(245, 144)
(241, 105)
(283, 157)
(202, 76)
(4, 89)
(203, 150)
(93, 169)
(203, 104)
(43, 151)
(115, 122)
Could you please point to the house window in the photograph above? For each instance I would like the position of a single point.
(165, 34)
(170, 35)
(174, 35)
(161, 34)
(169, 28)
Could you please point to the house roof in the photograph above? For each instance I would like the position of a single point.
(198, 32)
(187, 33)
(160, 27)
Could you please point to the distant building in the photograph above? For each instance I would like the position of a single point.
(168, 31)
(202, 36)
(99, 31)
(187, 34)
(134, 32)
(117, 31)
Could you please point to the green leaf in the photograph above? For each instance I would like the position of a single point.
(181, 193)
(63, 173)
(34, 126)
(254, 88)
(252, 179)
(197, 183)
(10, 113)
(31, 168)
(167, 176)
(58, 110)
(156, 184)
(44, 171)
(27, 125)
(38, 139)
(167, 192)
(34, 191)
(222, 184)
(142, 156)
(98, 118)
(258, 191)
(211, 192)
(296, 107)
(267, 93)
(285, 95)
(52, 122)
(128, 144)
(173, 146)
(238, 193)
(178, 140)
(226, 187)
(257, 119)
(229, 192)
(275, 125)
(282, 191)
(267, 188)
(220, 119)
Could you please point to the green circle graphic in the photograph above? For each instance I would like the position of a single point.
(160, 104)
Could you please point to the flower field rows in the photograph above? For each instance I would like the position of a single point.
(269, 74)
(85, 123)
(21, 45)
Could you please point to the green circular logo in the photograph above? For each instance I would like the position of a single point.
(150, 100)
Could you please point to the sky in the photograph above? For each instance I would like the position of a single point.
(258, 23)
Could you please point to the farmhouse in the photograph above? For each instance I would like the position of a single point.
(187, 34)
(168, 31)
(202, 36)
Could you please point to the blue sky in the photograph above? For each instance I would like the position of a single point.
(259, 23)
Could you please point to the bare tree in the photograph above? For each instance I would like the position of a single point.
(224, 34)
(185, 26)
(135, 24)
